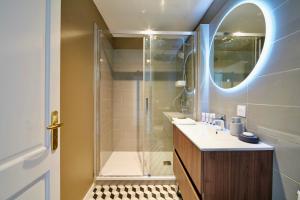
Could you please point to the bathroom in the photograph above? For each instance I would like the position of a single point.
(151, 99)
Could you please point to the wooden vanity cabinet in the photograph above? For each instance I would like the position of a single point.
(221, 175)
(190, 155)
(186, 186)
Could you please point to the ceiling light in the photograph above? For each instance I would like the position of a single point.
(148, 32)
(237, 34)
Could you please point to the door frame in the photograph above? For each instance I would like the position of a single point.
(54, 59)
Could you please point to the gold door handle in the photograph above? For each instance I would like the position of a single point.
(53, 127)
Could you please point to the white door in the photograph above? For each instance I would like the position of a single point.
(29, 92)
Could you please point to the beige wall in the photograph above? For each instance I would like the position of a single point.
(127, 43)
(272, 97)
(78, 17)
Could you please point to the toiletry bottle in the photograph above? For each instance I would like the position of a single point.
(212, 116)
(207, 117)
(202, 117)
(236, 126)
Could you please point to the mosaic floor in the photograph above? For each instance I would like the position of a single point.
(134, 192)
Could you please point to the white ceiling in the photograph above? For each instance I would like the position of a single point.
(156, 15)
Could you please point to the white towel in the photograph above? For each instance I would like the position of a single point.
(186, 121)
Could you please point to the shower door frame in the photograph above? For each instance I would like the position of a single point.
(96, 95)
(141, 34)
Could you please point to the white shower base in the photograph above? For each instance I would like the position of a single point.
(127, 163)
(122, 163)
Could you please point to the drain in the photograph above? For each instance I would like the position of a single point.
(167, 162)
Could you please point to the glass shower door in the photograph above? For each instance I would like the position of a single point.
(146, 104)
(164, 60)
(168, 59)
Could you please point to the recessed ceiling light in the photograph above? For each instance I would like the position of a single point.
(148, 32)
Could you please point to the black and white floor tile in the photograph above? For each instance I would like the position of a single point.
(134, 192)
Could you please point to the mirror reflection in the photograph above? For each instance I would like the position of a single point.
(237, 45)
(190, 72)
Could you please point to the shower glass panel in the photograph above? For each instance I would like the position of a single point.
(126, 158)
(167, 59)
(136, 96)
(103, 104)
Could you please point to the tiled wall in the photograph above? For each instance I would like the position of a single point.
(125, 118)
(127, 90)
(128, 60)
(272, 98)
(128, 101)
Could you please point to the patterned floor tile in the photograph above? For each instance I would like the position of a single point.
(134, 192)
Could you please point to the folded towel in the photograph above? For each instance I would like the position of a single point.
(186, 121)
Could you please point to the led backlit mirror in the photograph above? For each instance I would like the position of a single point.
(237, 45)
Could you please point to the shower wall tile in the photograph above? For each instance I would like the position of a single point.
(128, 60)
(121, 143)
(163, 94)
(125, 118)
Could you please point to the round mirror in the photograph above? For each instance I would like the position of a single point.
(237, 45)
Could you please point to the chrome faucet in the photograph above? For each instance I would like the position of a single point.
(220, 121)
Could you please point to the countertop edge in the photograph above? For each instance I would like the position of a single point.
(270, 148)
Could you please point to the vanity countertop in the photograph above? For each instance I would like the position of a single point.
(205, 138)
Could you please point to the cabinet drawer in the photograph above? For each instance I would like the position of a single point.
(185, 186)
(191, 157)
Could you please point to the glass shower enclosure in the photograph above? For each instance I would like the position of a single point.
(137, 94)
